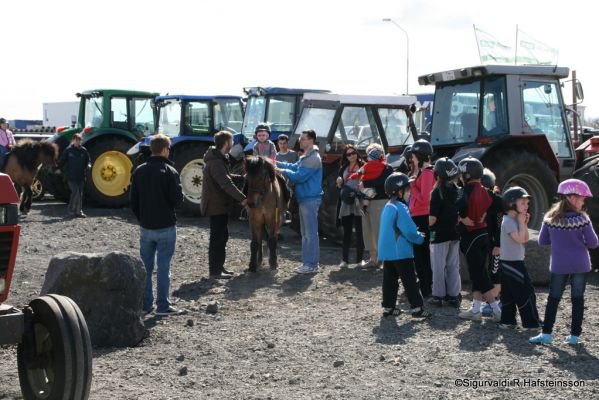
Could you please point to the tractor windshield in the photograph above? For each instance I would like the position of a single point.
(93, 112)
(276, 110)
(318, 119)
(169, 119)
(396, 125)
(228, 115)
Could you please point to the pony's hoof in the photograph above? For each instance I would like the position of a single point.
(252, 269)
(274, 266)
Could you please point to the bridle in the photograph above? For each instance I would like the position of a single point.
(260, 189)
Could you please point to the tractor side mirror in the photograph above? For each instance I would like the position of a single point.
(547, 89)
(578, 91)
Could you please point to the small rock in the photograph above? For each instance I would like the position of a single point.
(382, 358)
(270, 345)
(338, 387)
(540, 370)
(438, 384)
(180, 358)
(189, 322)
(338, 363)
(294, 381)
(212, 307)
(183, 371)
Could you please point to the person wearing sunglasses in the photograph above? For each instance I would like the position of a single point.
(349, 211)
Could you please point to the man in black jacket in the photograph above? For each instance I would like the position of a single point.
(74, 162)
(155, 193)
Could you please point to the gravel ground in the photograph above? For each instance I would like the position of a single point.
(287, 336)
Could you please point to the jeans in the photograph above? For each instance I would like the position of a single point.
(157, 246)
(308, 213)
(76, 199)
(556, 290)
(219, 235)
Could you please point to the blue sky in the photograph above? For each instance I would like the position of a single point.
(54, 49)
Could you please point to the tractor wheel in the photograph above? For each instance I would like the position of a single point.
(55, 356)
(589, 173)
(37, 190)
(189, 161)
(327, 218)
(110, 176)
(521, 168)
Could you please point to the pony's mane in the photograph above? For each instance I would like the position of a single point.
(253, 166)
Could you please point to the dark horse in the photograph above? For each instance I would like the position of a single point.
(23, 162)
(267, 201)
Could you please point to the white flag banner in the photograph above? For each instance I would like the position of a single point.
(532, 51)
(491, 50)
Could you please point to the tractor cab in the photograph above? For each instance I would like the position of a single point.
(339, 120)
(277, 107)
(512, 118)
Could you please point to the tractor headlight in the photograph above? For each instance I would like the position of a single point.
(2, 216)
(2, 284)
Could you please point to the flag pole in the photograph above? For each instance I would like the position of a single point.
(477, 44)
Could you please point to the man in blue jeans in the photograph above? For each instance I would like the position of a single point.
(155, 193)
(306, 176)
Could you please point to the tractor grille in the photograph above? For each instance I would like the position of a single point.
(5, 246)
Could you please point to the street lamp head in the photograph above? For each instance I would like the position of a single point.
(386, 19)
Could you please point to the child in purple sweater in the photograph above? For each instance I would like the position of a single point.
(569, 232)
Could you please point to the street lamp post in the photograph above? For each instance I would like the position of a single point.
(407, 51)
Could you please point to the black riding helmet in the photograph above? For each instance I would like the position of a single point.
(347, 195)
(446, 169)
(511, 195)
(488, 179)
(262, 127)
(422, 147)
(396, 182)
(471, 168)
(407, 152)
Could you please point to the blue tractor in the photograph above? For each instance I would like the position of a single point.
(191, 122)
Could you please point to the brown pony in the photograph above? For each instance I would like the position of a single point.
(267, 202)
(23, 162)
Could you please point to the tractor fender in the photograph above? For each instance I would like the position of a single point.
(537, 144)
(93, 136)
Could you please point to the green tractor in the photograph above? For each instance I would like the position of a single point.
(110, 122)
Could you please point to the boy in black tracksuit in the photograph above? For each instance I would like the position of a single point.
(473, 207)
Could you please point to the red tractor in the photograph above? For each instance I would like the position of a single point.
(54, 353)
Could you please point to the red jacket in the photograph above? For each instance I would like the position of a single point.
(371, 170)
(420, 199)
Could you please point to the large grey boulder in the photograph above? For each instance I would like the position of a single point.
(108, 288)
(536, 260)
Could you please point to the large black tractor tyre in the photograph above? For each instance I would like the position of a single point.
(109, 178)
(327, 217)
(53, 183)
(513, 167)
(589, 173)
(55, 357)
(189, 162)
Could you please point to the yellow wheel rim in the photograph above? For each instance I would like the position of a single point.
(111, 173)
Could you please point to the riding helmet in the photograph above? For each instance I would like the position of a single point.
(488, 179)
(471, 168)
(396, 182)
(574, 186)
(422, 147)
(262, 127)
(446, 169)
(511, 195)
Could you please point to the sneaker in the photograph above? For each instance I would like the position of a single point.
(367, 264)
(169, 311)
(243, 215)
(304, 269)
(572, 340)
(470, 314)
(391, 312)
(541, 338)
(486, 310)
(420, 313)
(435, 301)
(287, 218)
(148, 311)
(342, 264)
(227, 272)
(454, 301)
(508, 326)
(80, 215)
(496, 317)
